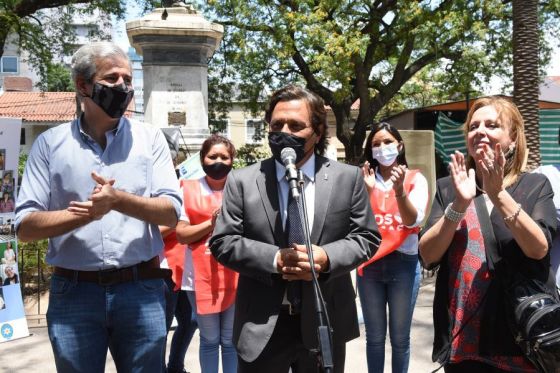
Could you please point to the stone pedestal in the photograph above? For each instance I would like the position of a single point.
(176, 44)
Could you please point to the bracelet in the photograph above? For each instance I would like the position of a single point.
(403, 195)
(452, 215)
(512, 217)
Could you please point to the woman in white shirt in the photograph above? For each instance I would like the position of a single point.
(9, 254)
(399, 198)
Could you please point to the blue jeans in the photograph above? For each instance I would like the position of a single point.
(394, 281)
(85, 319)
(186, 326)
(216, 329)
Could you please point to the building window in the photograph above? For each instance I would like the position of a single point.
(254, 129)
(9, 64)
(22, 137)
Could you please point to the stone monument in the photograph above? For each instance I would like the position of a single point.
(176, 44)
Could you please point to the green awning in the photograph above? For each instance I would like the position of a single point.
(549, 123)
(449, 137)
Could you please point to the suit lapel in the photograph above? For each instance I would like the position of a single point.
(323, 188)
(267, 185)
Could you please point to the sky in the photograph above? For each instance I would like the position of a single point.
(554, 67)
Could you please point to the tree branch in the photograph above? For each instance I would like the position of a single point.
(308, 75)
(25, 8)
(239, 25)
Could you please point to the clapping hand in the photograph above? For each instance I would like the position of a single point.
(464, 181)
(369, 176)
(215, 216)
(491, 164)
(100, 202)
(397, 178)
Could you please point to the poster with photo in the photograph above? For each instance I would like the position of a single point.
(13, 323)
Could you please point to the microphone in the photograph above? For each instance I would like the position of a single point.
(288, 157)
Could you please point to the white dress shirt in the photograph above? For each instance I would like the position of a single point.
(418, 196)
(308, 169)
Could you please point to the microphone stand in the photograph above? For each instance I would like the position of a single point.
(324, 330)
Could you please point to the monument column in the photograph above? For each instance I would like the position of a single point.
(176, 44)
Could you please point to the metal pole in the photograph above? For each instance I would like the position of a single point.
(39, 280)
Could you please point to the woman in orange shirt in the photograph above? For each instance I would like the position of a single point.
(214, 285)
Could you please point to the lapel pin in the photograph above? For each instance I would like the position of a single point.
(326, 177)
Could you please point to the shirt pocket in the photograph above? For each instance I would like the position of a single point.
(132, 176)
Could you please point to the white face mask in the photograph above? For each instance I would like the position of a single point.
(385, 155)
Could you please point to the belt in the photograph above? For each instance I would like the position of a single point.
(144, 271)
(287, 308)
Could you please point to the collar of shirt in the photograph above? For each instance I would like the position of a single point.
(308, 169)
(382, 184)
(110, 135)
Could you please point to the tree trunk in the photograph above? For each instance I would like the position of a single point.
(343, 133)
(3, 38)
(526, 72)
(357, 143)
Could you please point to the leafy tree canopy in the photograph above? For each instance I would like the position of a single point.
(46, 36)
(249, 154)
(348, 50)
(59, 78)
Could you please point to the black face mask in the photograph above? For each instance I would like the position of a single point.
(216, 171)
(280, 140)
(113, 100)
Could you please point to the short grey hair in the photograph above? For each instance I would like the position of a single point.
(85, 58)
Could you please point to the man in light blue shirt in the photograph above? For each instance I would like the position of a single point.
(97, 188)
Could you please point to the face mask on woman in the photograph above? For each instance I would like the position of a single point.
(217, 170)
(385, 155)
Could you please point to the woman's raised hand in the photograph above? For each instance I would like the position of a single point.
(491, 164)
(397, 178)
(464, 181)
(369, 176)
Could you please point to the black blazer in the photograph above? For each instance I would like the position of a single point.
(249, 232)
(534, 193)
(7, 281)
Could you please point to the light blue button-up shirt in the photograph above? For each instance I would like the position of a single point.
(58, 171)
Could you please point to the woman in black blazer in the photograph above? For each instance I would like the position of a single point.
(471, 332)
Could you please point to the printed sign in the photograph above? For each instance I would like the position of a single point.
(191, 168)
(13, 323)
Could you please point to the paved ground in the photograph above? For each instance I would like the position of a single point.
(33, 354)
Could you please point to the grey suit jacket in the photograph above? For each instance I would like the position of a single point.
(249, 232)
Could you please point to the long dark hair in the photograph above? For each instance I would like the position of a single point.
(401, 158)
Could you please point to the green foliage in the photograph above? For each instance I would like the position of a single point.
(249, 154)
(347, 50)
(59, 79)
(46, 36)
(21, 163)
(33, 269)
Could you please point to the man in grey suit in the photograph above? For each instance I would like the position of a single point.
(270, 334)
